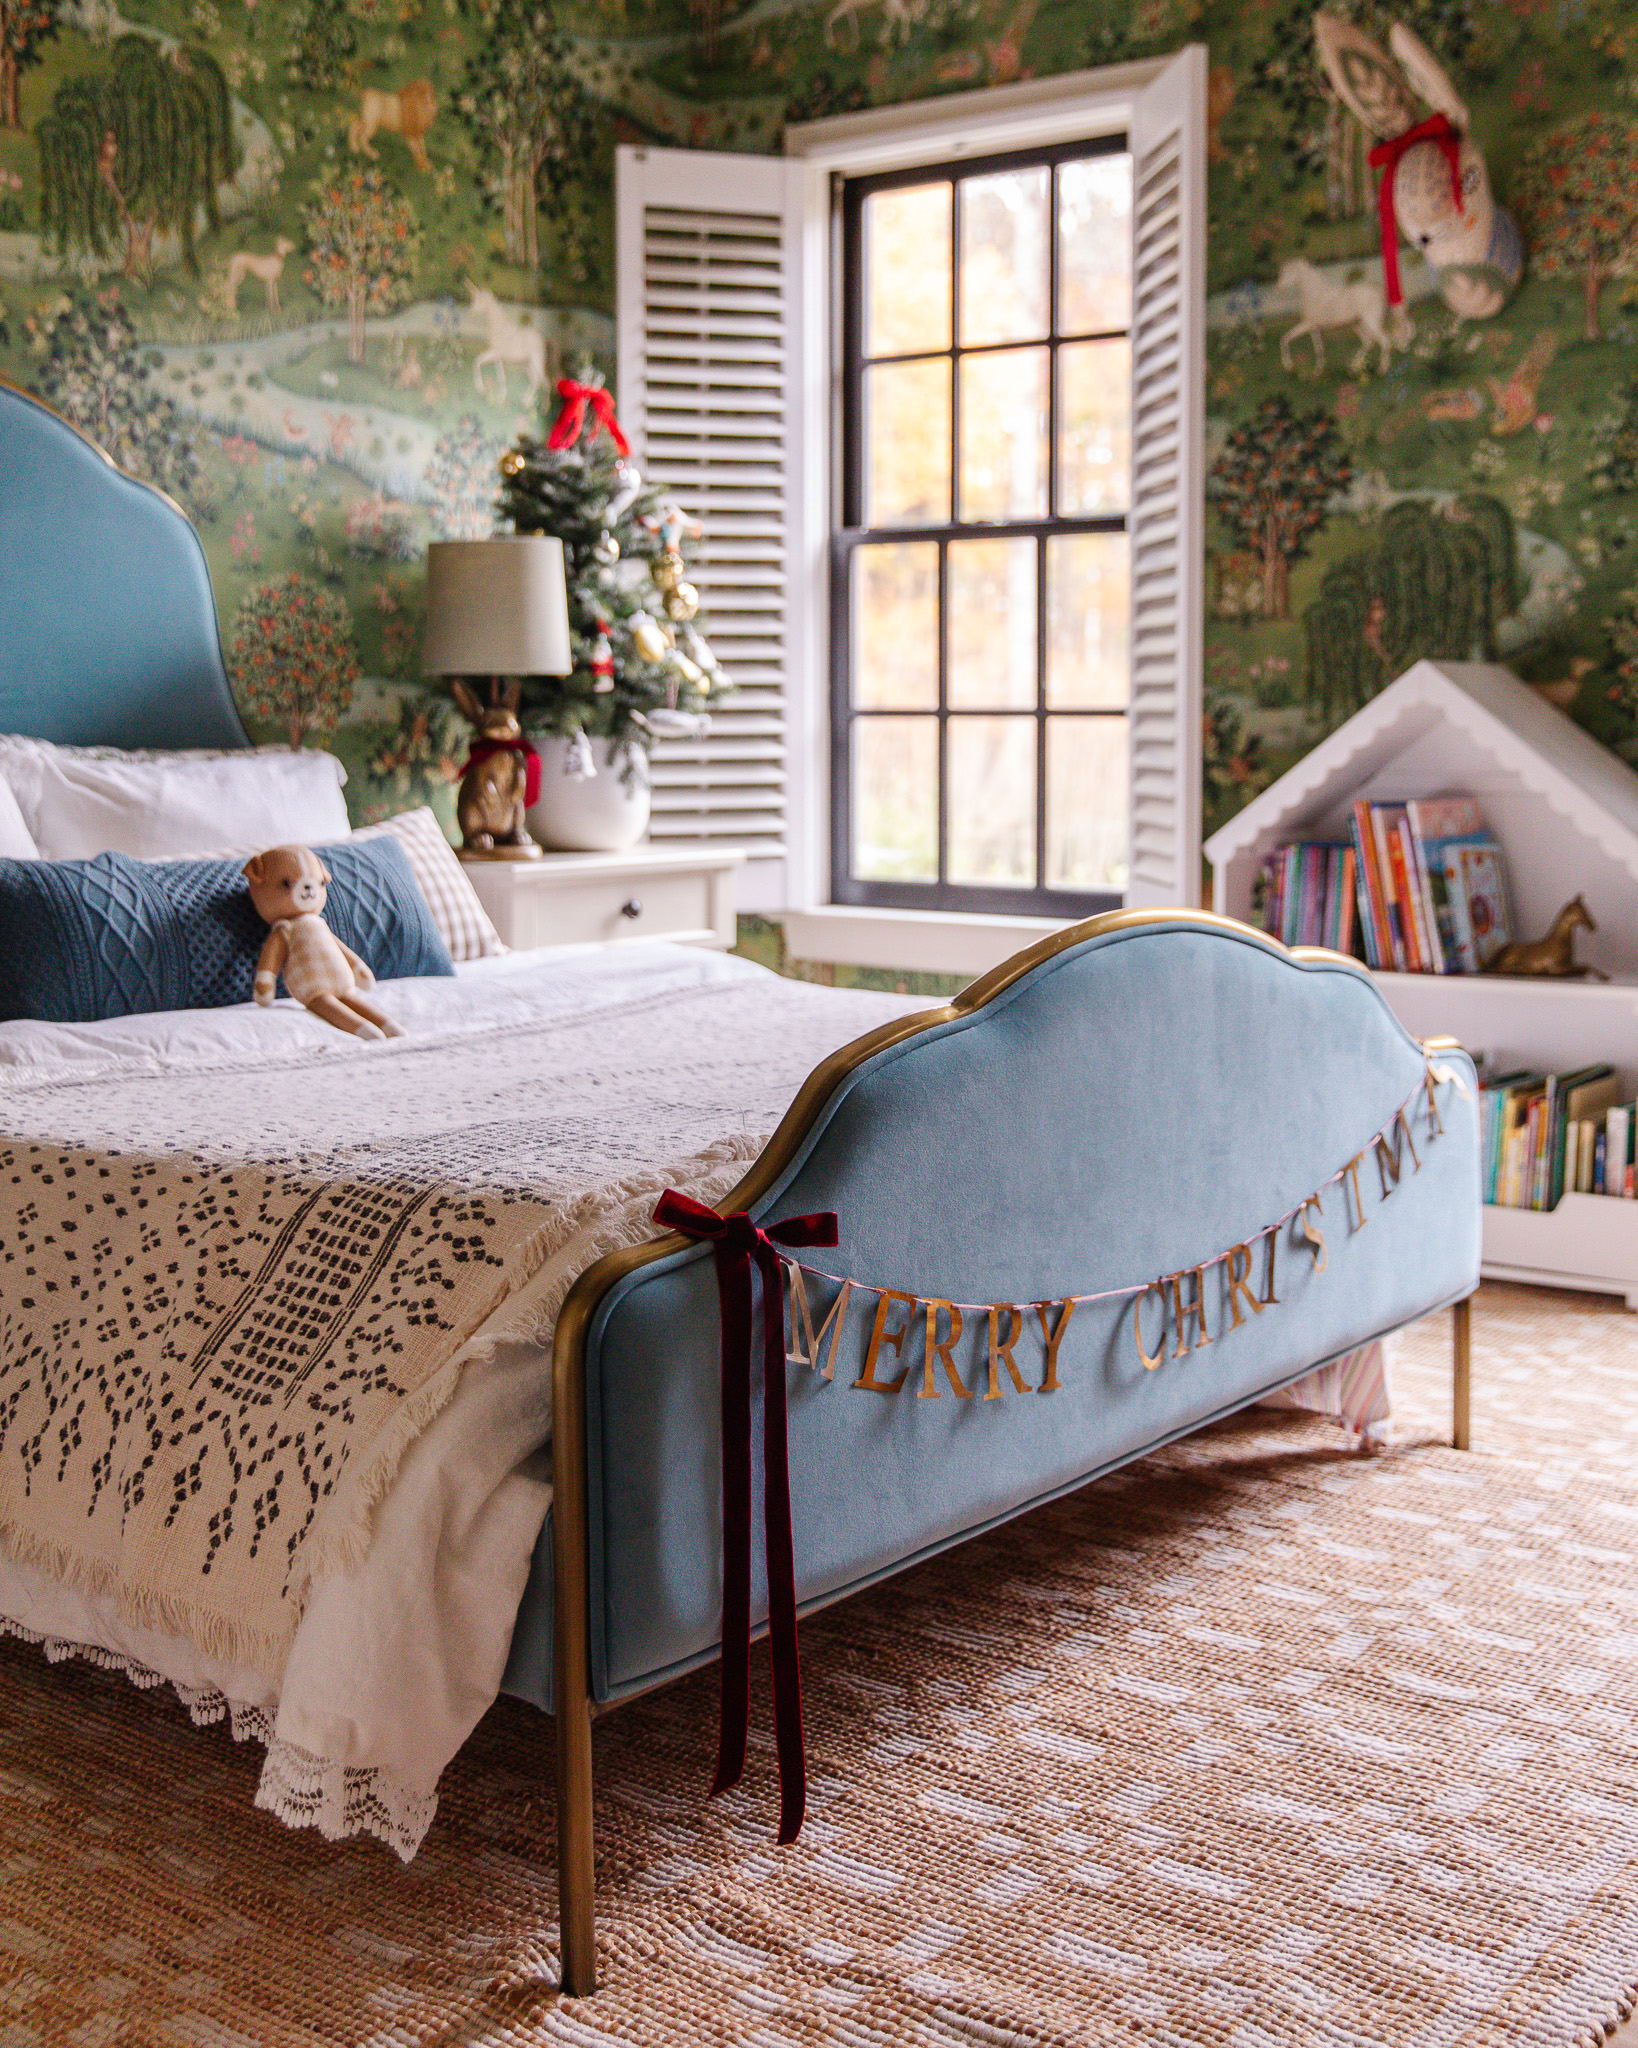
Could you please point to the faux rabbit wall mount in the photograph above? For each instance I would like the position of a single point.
(1435, 190)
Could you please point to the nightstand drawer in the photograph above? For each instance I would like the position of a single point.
(573, 899)
(587, 907)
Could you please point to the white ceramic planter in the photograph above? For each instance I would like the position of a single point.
(604, 813)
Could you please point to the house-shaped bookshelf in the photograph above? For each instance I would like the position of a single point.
(1566, 812)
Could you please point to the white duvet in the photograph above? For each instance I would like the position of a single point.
(604, 1069)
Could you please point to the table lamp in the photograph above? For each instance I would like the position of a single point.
(497, 609)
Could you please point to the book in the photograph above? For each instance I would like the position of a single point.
(1484, 887)
(1451, 899)
(1616, 1125)
(1401, 935)
(1373, 913)
(1599, 1142)
(1581, 1095)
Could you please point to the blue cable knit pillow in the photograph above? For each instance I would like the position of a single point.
(81, 940)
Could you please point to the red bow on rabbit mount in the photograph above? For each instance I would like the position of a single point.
(1435, 189)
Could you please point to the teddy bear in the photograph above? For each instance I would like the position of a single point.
(287, 886)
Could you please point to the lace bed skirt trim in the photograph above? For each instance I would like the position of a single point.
(302, 1790)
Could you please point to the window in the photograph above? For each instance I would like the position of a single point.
(733, 373)
(980, 571)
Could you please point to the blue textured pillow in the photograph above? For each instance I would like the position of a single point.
(81, 940)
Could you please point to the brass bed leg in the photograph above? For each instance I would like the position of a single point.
(1462, 1390)
(571, 1656)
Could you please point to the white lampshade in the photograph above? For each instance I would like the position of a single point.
(497, 608)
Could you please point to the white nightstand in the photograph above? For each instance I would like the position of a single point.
(685, 894)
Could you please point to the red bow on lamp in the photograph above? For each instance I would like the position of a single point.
(1437, 128)
(576, 398)
(735, 1242)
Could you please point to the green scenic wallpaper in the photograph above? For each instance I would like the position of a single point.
(312, 264)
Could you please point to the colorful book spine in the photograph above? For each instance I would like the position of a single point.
(1408, 940)
(1373, 908)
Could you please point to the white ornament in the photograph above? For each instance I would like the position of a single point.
(578, 765)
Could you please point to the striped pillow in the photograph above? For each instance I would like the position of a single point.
(463, 923)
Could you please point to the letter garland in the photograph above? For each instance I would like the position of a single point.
(1174, 1304)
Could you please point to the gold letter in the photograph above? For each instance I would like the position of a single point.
(1190, 1311)
(1389, 1163)
(1435, 1124)
(880, 1334)
(1237, 1264)
(1316, 1238)
(929, 1385)
(1053, 1339)
(802, 1322)
(1359, 1206)
(1154, 1287)
(1001, 1354)
(1270, 1298)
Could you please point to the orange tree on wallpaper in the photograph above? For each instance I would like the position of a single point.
(1577, 198)
(25, 26)
(1273, 485)
(534, 124)
(135, 152)
(291, 656)
(364, 241)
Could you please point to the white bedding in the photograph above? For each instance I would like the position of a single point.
(628, 1064)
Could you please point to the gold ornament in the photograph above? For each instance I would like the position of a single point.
(667, 569)
(682, 602)
(512, 463)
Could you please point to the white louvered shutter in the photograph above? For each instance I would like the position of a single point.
(707, 263)
(1168, 136)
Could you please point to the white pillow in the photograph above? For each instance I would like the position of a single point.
(463, 924)
(81, 801)
(16, 840)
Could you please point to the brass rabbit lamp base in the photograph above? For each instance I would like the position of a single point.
(494, 792)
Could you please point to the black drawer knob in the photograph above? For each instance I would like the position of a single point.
(631, 908)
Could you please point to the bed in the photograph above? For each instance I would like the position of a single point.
(1150, 1171)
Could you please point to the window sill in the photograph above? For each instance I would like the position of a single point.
(911, 941)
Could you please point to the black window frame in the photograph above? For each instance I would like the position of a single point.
(850, 534)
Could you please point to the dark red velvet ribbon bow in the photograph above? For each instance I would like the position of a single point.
(1436, 128)
(576, 398)
(482, 749)
(735, 1243)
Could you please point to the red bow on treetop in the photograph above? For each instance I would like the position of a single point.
(576, 398)
(1436, 128)
(735, 1242)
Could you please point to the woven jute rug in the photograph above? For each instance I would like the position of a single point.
(1260, 1743)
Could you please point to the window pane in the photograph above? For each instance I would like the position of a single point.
(1086, 803)
(992, 624)
(895, 799)
(907, 444)
(1095, 245)
(1094, 426)
(1088, 618)
(1004, 435)
(907, 270)
(895, 629)
(1004, 268)
(992, 801)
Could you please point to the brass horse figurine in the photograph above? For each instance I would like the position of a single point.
(1553, 956)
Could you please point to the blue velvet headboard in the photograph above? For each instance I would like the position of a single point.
(110, 634)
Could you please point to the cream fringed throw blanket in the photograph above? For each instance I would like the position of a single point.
(201, 1360)
(248, 1267)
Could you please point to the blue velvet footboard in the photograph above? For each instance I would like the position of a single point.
(1130, 1107)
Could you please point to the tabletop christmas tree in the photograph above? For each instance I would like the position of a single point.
(642, 668)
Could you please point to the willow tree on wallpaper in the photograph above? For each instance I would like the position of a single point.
(313, 264)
